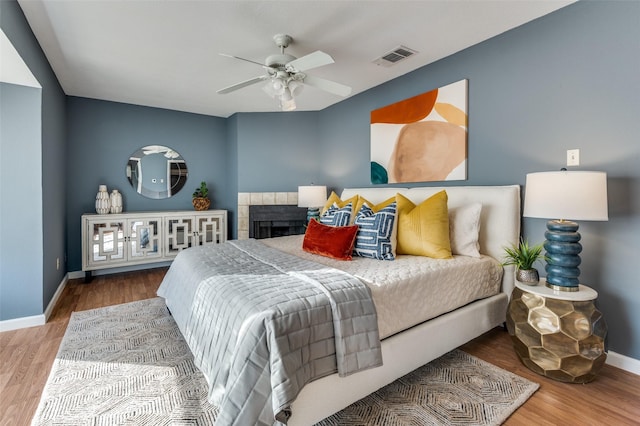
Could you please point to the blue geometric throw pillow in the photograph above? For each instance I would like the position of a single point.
(375, 232)
(335, 216)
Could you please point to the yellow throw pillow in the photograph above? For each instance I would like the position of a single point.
(333, 198)
(423, 230)
(374, 207)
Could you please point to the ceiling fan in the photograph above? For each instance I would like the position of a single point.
(285, 74)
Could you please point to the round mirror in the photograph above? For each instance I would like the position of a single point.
(156, 171)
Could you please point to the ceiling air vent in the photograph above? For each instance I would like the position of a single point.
(396, 55)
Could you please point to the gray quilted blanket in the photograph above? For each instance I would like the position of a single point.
(262, 323)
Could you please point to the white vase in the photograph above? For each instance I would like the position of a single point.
(103, 203)
(116, 201)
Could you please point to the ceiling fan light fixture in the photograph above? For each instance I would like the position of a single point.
(295, 87)
(286, 95)
(279, 86)
(287, 102)
(288, 105)
(284, 92)
(274, 87)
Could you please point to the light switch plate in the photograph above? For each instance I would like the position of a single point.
(573, 157)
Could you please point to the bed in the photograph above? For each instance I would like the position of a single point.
(383, 332)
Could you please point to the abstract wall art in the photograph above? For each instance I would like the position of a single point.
(421, 139)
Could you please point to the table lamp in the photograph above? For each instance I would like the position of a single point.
(569, 196)
(312, 197)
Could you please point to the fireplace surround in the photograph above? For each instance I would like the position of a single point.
(248, 199)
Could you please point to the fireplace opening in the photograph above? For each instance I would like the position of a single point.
(267, 221)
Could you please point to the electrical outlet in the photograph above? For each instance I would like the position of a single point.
(573, 157)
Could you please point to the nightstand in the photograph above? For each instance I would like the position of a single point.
(557, 334)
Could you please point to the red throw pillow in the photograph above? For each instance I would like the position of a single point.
(330, 241)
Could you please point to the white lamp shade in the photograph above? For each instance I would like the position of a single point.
(312, 195)
(571, 195)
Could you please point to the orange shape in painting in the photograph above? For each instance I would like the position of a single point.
(407, 111)
(427, 151)
(451, 113)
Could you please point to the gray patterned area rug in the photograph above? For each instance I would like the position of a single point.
(128, 364)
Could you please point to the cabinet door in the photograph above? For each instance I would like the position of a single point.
(208, 230)
(107, 244)
(178, 234)
(144, 239)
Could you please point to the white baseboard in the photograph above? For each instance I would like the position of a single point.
(623, 362)
(56, 296)
(35, 320)
(24, 322)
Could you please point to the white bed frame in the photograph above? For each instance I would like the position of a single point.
(410, 349)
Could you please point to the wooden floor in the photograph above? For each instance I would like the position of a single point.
(26, 357)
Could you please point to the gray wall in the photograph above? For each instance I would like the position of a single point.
(20, 202)
(102, 136)
(49, 166)
(568, 80)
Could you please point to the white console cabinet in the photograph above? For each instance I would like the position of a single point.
(113, 240)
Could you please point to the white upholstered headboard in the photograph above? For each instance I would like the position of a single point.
(500, 217)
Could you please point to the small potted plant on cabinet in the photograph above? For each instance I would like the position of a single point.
(523, 256)
(200, 197)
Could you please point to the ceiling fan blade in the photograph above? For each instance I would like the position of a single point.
(307, 62)
(327, 85)
(242, 84)
(243, 59)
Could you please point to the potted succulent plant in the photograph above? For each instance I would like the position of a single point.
(523, 256)
(200, 197)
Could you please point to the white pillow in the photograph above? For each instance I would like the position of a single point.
(464, 229)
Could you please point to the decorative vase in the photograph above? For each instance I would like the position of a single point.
(200, 203)
(103, 203)
(116, 201)
(528, 276)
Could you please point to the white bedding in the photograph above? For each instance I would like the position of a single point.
(412, 289)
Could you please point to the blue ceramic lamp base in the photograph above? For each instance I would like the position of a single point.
(562, 255)
(313, 213)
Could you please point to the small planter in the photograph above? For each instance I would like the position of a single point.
(201, 203)
(528, 276)
(200, 197)
(523, 256)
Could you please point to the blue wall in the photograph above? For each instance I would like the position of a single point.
(567, 80)
(277, 151)
(21, 204)
(102, 137)
(48, 167)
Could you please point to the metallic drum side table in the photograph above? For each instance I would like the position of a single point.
(557, 334)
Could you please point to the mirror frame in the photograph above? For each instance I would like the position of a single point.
(162, 184)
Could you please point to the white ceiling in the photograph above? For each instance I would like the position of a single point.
(12, 68)
(166, 53)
